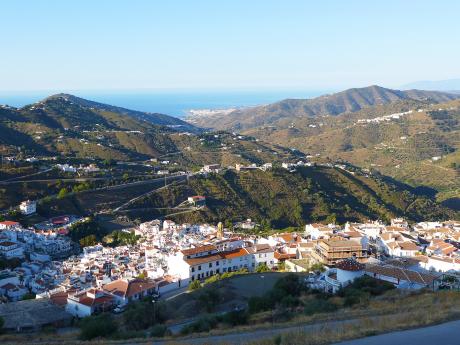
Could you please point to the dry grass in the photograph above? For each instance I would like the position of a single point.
(393, 311)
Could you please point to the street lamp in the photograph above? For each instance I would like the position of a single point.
(154, 312)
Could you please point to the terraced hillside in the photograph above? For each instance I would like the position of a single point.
(279, 199)
(413, 141)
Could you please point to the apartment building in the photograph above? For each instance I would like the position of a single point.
(329, 252)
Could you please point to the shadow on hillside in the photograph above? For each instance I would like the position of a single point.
(452, 203)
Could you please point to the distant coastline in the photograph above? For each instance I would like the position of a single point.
(180, 104)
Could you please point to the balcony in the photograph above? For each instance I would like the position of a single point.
(332, 284)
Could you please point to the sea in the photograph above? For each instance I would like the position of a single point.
(176, 103)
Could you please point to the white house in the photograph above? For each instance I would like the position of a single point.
(125, 291)
(317, 231)
(344, 273)
(88, 302)
(403, 278)
(211, 168)
(9, 225)
(13, 292)
(441, 264)
(28, 207)
(394, 244)
(10, 250)
(262, 254)
(205, 261)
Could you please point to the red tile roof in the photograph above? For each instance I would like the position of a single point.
(201, 249)
(9, 222)
(126, 288)
(350, 265)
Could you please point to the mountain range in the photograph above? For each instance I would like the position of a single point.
(333, 127)
(287, 110)
(451, 85)
(69, 126)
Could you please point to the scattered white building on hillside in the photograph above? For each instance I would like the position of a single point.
(28, 207)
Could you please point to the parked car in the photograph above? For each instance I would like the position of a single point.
(119, 309)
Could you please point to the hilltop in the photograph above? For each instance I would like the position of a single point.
(154, 118)
(68, 126)
(288, 110)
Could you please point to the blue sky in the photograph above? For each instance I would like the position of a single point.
(135, 44)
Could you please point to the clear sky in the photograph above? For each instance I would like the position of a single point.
(247, 44)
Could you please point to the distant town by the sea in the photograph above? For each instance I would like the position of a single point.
(175, 103)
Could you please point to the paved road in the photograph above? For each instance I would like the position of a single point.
(445, 334)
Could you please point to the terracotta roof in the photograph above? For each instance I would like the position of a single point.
(126, 288)
(235, 253)
(7, 244)
(402, 274)
(284, 256)
(201, 249)
(408, 246)
(260, 248)
(342, 243)
(354, 234)
(8, 286)
(9, 222)
(88, 301)
(350, 265)
(204, 259)
(59, 298)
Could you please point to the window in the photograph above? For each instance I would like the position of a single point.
(199, 268)
(193, 269)
(210, 264)
(217, 263)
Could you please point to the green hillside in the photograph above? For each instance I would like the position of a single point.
(419, 148)
(280, 199)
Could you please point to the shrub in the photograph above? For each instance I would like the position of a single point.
(62, 193)
(289, 285)
(204, 324)
(97, 326)
(262, 268)
(194, 285)
(212, 279)
(289, 301)
(158, 331)
(208, 300)
(368, 284)
(29, 295)
(235, 318)
(257, 304)
(353, 297)
(144, 314)
(319, 305)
